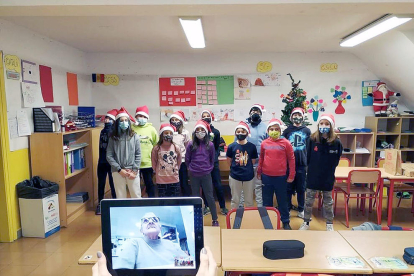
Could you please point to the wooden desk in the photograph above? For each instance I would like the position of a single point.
(242, 250)
(211, 239)
(341, 174)
(371, 244)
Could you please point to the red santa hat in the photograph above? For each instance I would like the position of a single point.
(275, 122)
(112, 114)
(203, 124)
(180, 116)
(122, 112)
(165, 127)
(142, 110)
(329, 117)
(259, 106)
(299, 110)
(244, 126)
(209, 112)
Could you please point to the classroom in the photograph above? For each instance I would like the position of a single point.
(308, 107)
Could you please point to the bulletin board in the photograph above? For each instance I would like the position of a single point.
(179, 91)
(214, 90)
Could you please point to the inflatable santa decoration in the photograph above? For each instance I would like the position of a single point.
(382, 99)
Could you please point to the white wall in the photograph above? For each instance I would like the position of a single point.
(139, 73)
(61, 58)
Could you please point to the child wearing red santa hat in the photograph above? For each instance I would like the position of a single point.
(324, 153)
(124, 156)
(166, 161)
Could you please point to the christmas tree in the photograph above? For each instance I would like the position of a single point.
(295, 98)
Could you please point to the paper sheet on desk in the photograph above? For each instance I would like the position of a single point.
(391, 263)
(346, 262)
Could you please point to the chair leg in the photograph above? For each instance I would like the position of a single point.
(319, 201)
(363, 199)
(399, 201)
(336, 200)
(412, 204)
(346, 210)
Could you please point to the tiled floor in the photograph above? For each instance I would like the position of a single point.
(58, 254)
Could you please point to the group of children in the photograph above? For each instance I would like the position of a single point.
(265, 160)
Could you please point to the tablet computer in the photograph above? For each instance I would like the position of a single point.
(154, 236)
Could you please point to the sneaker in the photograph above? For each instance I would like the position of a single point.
(98, 210)
(329, 227)
(304, 226)
(286, 226)
(301, 214)
(206, 211)
(224, 211)
(294, 208)
(215, 223)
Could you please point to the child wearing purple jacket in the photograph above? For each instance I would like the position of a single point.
(199, 156)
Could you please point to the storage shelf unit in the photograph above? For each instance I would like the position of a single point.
(398, 131)
(47, 161)
(351, 141)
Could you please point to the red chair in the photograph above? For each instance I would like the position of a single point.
(300, 274)
(387, 228)
(251, 218)
(361, 177)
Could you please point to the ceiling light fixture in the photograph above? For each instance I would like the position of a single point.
(193, 30)
(377, 27)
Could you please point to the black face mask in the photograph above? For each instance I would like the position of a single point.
(207, 120)
(241, 137)
(168, 138)
(255, 117)
(108, 125)
(297, 121)
(176, 124)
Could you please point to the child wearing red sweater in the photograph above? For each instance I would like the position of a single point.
(276, 154)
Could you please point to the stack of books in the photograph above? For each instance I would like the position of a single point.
(77, 197)
(74, 160)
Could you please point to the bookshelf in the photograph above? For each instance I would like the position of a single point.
(354, 141)
(48, 161)
(398, 131)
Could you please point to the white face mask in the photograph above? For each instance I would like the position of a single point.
(200, 134)
(142, 121)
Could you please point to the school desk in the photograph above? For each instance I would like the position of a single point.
(211, 239)
(242, 251)
(371, 244)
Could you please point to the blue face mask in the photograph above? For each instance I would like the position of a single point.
(142, 121)
(124, 125)
(324, 130)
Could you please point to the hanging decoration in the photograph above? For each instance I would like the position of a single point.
(340, 97)
(315, 105)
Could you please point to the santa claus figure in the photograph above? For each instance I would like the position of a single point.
(382, 99)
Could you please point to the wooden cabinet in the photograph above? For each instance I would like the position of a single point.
(48, 161)
(360, 146)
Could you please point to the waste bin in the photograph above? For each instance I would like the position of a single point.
(39, 207)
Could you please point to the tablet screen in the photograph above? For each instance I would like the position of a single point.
(153, 237)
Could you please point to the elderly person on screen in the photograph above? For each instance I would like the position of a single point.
(149, 251)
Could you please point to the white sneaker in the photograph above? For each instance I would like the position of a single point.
(329, 227)
(304, 226)
(301, 214)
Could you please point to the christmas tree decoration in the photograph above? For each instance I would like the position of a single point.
(340, 97)
(314, 106)
(295, 98)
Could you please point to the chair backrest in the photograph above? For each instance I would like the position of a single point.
(344, 162)
(363, 177)
(251, 218)
(380, 162)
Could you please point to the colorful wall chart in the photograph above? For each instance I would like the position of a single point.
(180, 91)
(368, 87)
(213, 90)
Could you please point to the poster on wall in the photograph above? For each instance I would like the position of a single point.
(13, 67)
(368, 87)
(32, 97)
(268, 79)
(165, 114)
(72, 82)
(215, 90)
(30, 72)
(242, 81)
(242, 93)
(177, 91)
(46, 83)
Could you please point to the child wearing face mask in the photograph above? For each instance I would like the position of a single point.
(124, 156)
(199, 157)
(298, 135)
(324, 153)
(103, 166)
(276, 157)
(148, 137)
(241, 156)
(181, 138)
(166, 161)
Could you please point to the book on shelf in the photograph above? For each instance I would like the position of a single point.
(77, 197)
(74, 160)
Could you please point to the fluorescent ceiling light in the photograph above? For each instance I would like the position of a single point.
(373, 29)
(193, 31)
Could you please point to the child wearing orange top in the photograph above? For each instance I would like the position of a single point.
(276, 168)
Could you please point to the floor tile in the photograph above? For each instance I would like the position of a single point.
(79, 270)
(18, 270)
(31, 258)
(7, 258)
